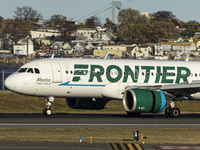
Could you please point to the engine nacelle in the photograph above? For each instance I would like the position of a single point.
(144, 101)
(86, 103)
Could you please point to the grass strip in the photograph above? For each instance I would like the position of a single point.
(101, 135)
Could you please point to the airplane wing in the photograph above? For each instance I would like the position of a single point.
(183, 89)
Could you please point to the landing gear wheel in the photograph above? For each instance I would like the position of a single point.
(168, 112)
(47, 112)
(175, 112)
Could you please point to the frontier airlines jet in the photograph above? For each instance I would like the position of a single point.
(144, 86)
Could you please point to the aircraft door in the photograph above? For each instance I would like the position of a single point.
(57, 74)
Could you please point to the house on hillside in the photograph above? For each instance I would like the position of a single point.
(90, 46)
(68, 48)
(57, 48)
(24, 47)
(79, 48)
(141, 51)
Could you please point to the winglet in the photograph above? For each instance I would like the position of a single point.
(52, 56)
(108, 55)
(187, 59)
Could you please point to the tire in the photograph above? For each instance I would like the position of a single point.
(175, 112)
(47, 112)
(168, 112)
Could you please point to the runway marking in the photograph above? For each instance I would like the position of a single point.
(126, 146)
(130, 147)
(138, 147)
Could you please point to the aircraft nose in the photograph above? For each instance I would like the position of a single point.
(11, 83)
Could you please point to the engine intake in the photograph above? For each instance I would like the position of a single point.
(86, 103)
(144, 101)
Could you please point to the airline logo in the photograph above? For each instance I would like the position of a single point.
(163, 74)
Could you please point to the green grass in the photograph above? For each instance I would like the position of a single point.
(102, 135)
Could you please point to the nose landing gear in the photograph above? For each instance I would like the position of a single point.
(47, 111)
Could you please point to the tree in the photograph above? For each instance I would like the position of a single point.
(162, 29)
(82, 25)
(127, 16)
(16, 28)
(28, 14)
(67, 28)
(56, 20)
(92, 22)
(109, 23)
(165, 15)
(130, 26)
(190, 28)
(189, 31)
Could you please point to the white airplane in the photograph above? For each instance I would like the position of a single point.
(144, 86)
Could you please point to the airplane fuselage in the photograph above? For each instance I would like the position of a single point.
(97, 77)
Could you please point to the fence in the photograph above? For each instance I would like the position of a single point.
(3, 75)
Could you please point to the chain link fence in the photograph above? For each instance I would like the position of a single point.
(3, 75)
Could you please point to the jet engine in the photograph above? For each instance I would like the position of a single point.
(86, 103)
(144, 101)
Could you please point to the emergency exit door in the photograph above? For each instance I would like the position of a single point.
(57, 74)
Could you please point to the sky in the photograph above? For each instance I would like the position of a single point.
(79, 10)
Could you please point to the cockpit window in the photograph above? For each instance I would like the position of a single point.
(37, 70)
(30, 70)
(21, 70)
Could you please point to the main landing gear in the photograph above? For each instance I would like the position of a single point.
(172, 111)
(47, 111)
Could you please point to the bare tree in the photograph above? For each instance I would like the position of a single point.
(27, 13)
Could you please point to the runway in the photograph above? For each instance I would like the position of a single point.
(97, 121)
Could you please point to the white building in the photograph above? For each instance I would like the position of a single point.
(24, 47)
(85, 32)
(44, 33)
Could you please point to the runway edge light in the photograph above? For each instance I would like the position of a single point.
(80, 138)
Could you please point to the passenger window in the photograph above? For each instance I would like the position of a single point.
(66, 72)
(21, 70)
(37, 71)
(30, 70)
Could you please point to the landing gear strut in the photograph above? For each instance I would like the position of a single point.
(172, 111)
(47, 111)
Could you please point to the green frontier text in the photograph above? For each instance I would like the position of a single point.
(161, 73)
